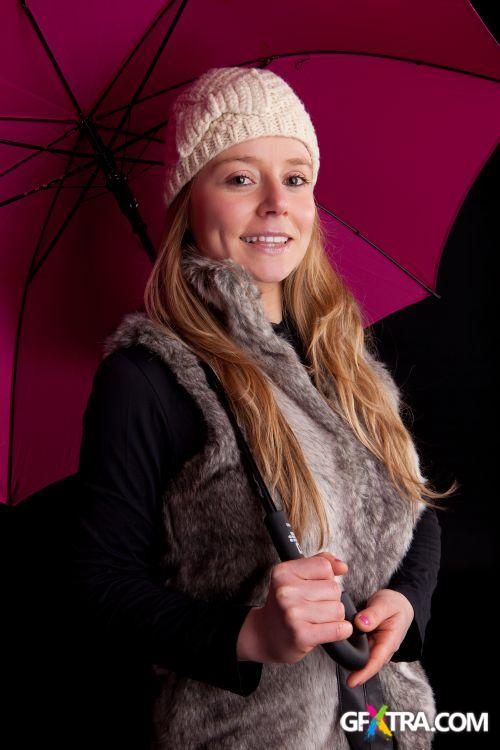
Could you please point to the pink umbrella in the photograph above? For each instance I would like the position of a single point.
(406, 103)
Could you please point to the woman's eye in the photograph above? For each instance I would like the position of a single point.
(292, 176)
(304, 181)
(237, 177)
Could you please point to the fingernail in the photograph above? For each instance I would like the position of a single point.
(364, 619)
(355, 684)
(339, 560)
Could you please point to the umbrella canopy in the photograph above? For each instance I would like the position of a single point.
(405, 99)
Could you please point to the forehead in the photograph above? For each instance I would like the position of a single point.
(285, 150)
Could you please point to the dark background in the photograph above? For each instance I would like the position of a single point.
(441, 353)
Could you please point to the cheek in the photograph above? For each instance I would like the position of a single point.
(221, 218)
(302, 212)
(308, 213)
(307, 224)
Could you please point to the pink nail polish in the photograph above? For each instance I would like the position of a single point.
(364, 619)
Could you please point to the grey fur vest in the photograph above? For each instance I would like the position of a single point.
(210, 507)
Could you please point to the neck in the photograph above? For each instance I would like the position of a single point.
(271, 300)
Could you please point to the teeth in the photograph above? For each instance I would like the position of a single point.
(261, 238)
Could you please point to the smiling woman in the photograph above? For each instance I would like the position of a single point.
(225, 216)
(322, 417)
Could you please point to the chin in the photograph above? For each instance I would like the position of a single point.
(269, 270)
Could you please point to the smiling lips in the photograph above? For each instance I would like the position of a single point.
(267, 238)
(268, 244)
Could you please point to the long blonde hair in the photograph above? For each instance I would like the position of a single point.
(329, 323)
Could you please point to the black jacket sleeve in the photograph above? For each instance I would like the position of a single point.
(127, 454)
(416, 578)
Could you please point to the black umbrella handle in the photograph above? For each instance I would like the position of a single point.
(351, 653)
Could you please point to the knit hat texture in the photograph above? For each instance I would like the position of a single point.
(225, 106)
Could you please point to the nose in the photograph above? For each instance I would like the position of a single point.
(274, 197)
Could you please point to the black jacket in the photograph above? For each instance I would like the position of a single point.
(139, 427)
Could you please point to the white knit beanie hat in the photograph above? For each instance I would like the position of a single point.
(225, 106)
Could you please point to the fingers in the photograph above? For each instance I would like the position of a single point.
(382, 606)
(380, 653)
(319, 612)
(306, 594)
(339, 566)
(316, 567)
(314, 634)
(321, 591)
(297, 586)
(372, 617)
(323, 565)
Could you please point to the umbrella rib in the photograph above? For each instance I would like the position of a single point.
(140, 136)
(380, 250)
(55, 120)
(47, 185)
(76, 170)
(52, 206)
(52, 59)
(149, 71)
(68, 152)
(116, 181)
(120, 158)
(127, 60)
(265, 61)
(35, 268)
(131, 133)
(137, 137)
(95, 196)
(27, 282)
(141, 100)
(413, 61)
(144, 148)
(34, 155)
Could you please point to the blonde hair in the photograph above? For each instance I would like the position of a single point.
(329, 323)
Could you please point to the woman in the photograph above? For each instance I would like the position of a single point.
(285, 336)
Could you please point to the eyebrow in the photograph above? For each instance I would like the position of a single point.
(297, 161)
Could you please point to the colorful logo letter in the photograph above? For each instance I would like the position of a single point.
(377, 722)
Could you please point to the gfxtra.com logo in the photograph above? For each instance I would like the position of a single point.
(386, 722)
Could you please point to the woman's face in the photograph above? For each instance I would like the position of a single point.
(251, 189)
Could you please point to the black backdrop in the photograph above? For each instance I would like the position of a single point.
(442, 354)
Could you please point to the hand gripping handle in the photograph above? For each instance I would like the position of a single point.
(351, 653)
